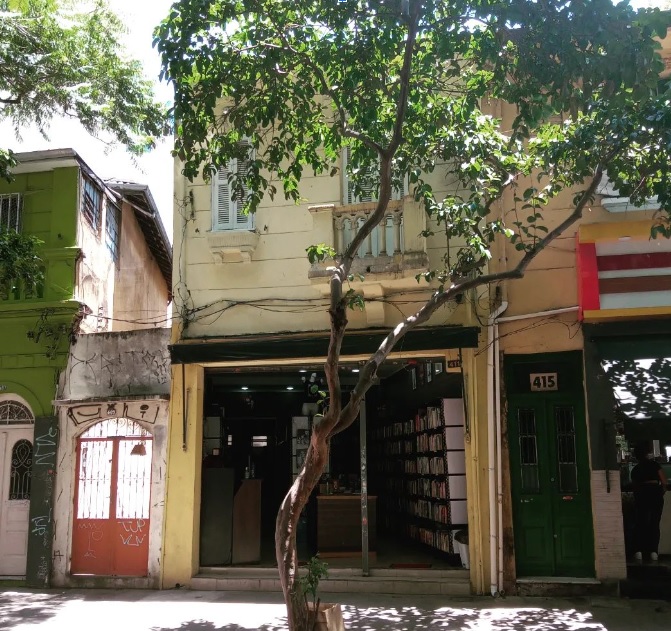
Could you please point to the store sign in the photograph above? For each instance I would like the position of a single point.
(543, 381)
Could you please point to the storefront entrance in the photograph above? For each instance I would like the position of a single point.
(549, 466)
(410, 432)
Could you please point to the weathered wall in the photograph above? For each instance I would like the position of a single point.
(279, 270)
(117, 364)
(110, 375)
(95, 272)
(140, 291)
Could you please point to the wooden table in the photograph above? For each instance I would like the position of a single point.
(339, 523)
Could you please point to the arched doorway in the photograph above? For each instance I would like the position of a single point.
(110, 535)
(16, 460)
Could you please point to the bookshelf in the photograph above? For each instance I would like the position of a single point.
(421, 470)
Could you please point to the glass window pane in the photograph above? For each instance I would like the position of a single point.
(528, 437)
(567, 467)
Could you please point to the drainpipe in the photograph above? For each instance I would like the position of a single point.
(492, 434)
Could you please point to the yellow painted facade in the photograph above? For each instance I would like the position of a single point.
(274, 289)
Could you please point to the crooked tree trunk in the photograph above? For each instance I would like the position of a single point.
(287, 522)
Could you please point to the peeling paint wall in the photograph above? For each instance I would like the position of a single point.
(117, 364)
(140, 291)
(112, 375)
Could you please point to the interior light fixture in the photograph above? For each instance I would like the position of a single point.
(302, 370)
(290, 387)
(138, 450)
(244, 388)
(355, 370)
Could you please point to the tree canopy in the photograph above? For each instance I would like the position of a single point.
(411, 87)
(65, 58)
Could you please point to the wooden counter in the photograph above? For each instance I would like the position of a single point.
(339, 523)
(247, 523)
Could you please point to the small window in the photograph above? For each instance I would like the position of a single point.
(92, 203)
(112, 230)
(227, 212)
(367, 184)
(259, 441)
(21, 470)
(11, 207)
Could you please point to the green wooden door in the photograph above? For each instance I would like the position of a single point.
(552, 514)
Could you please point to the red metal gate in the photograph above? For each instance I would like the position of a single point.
(110, 535)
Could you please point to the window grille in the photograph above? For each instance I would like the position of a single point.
(92, 203)
(227, 211)
(14, 413)
(20, 472)
(112, 229)
(11, 207)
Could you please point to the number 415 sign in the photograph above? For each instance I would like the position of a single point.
(543, 381)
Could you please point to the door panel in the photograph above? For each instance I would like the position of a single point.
(112, 501)
(16, 463)
(552, 514)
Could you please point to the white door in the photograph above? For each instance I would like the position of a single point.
(16, 458)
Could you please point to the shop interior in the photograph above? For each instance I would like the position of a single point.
(255, 435)
(643, 420)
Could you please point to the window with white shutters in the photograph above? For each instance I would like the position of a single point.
(369, 180)
(11, 206)
(227, 208)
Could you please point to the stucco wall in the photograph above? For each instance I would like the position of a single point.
(140, 291)
(95, 272)
(117, 364)
(279, 270)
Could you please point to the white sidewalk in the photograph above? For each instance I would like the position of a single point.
(128, 610)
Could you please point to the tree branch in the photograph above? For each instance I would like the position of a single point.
(369, 371)
(404, 77)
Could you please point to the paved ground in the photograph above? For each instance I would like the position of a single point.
(128, 610)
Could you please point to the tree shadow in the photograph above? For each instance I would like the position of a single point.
(19, 607)
(485, 615)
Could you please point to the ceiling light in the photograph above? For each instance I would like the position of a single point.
(355, 370)
(290, 387)
(244, 388)
(302, 370)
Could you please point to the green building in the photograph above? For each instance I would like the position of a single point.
(79, 219)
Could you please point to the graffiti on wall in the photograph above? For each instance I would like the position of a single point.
(122, 370)
(146, 411)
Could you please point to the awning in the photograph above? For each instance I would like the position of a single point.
(297, 345)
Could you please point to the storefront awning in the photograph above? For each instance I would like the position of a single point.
(297, 345)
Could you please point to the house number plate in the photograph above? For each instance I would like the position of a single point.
(543, 381)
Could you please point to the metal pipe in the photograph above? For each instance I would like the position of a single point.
(491, 448)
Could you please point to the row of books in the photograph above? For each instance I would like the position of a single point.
(440, 539)
(427, 487)
(425, 419)
(420, 465)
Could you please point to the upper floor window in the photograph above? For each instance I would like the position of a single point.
(11, 206)
(227, 208)
(367, 184)
(92, 201)
(112, 228)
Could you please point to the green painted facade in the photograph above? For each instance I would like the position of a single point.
(35, 327)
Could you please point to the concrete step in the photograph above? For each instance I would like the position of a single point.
(381, 581)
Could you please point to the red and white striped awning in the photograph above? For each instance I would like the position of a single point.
(624, 277)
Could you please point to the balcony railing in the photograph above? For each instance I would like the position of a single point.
(18, 290)
(394, 245)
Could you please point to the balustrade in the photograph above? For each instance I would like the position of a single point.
(385, 240)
